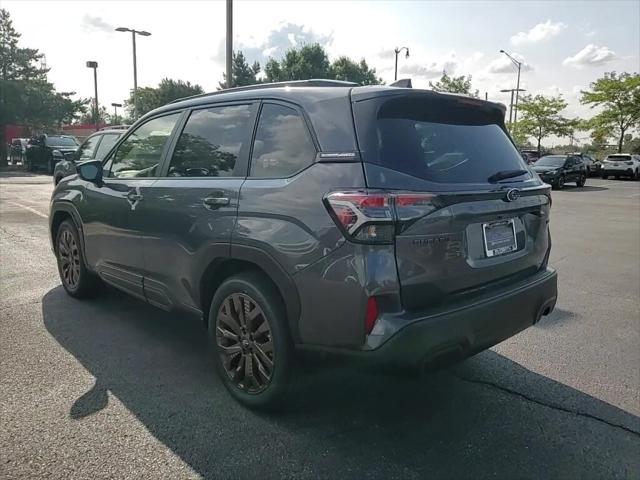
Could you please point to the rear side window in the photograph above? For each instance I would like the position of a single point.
(282, 145)
(438, 140)
(88, 147)
(108, 141)
(211, 141)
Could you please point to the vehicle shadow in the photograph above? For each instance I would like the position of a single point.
(486, 417)
(586, 188)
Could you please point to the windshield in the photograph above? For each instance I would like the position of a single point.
(551, 161)
(437, 140)
(61, 142)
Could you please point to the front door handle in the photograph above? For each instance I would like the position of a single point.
(215, 202)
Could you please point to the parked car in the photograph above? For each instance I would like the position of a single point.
(556, 170)
(589, 162)
(316, 215)
(621, 165)
(17, 151)
(95, 147)
(531, 156)
(44, 151)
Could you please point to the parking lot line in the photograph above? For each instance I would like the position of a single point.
(32, 210)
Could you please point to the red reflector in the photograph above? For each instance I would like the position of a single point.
(405, 200)
(372, 314)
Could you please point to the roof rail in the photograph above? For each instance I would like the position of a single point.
(314, 82)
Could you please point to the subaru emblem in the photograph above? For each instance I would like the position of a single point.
(513, 195)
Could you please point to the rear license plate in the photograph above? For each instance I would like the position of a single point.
(499, 238)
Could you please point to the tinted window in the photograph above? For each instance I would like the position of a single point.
(107, 142)
(88, 147)
(140, 154)
(282, 145)
(61, 142)
(551, 161)
(211, 142)
(438, 140)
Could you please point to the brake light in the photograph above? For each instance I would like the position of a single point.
(374, 217)
(371, 315)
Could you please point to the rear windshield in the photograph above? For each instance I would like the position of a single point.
(551, 161)
(438, 140)
(619, 158)
(61, 142)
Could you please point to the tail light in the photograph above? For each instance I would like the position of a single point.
(371, 315)
(374, 217)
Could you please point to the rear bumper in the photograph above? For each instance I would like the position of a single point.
(466, 329)
(623, 172)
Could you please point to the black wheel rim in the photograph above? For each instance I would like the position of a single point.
(245, 343)
(69, 257)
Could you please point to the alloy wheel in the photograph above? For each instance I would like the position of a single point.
(69, 258)
(245, 343)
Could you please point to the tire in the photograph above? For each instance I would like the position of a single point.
(50, 166)
(266, 345)
(581, 181)
(559, 185)
(636, 175)
(604, 177)
(617, 177)
(76, 279)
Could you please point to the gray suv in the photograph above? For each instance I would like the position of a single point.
(398, 226)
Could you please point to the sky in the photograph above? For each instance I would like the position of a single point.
(564, 46)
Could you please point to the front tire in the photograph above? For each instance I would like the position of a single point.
(581, 181)
(248, 331)
(560, 183)
(76, 279)
(50, 166)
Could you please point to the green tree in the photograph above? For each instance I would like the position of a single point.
(26, 97)
(343, 68)
(540, 117)
(619, 98)
(461, 84)
(168, 90)
(241, 72)
(309, 61)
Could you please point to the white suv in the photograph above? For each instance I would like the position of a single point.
(621, 165)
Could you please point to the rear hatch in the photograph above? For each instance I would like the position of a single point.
(469, 212)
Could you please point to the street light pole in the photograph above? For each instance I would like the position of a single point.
(518, 66)
(397, 51)
(115, 112)
(96, 119)
(511, 111)
(135, 65)
(229, 42)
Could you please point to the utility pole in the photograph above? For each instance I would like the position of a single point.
(229, 43)
(511, 109)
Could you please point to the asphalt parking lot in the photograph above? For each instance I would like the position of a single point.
(113, 388)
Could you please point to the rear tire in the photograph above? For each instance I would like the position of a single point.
(581, 181)
(76, 279)
(50, 166)
(604, 177)
(559, 185)
(252, 347)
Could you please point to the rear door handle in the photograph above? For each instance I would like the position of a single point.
(215, 202)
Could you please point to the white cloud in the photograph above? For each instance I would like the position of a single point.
(590, 56)
(538, 33)
(96, 24)
(503, 64)
(429, 70)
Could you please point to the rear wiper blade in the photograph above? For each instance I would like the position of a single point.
(504, 174)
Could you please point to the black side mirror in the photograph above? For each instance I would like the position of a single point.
(91, 171)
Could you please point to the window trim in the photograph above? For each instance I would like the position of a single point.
(100, 143)
(306, 123)
(123, 138)
(93, 154)
(241, 166)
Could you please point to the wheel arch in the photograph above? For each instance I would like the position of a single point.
(59, 213)
(242, 259)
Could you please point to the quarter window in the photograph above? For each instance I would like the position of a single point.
(88, 147)
(282, 145)
(140, 154)
(211, 141)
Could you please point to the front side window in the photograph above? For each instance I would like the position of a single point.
(88, 147)
(140, 154)
(107, 142)
(211, 141)
(282, 145)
